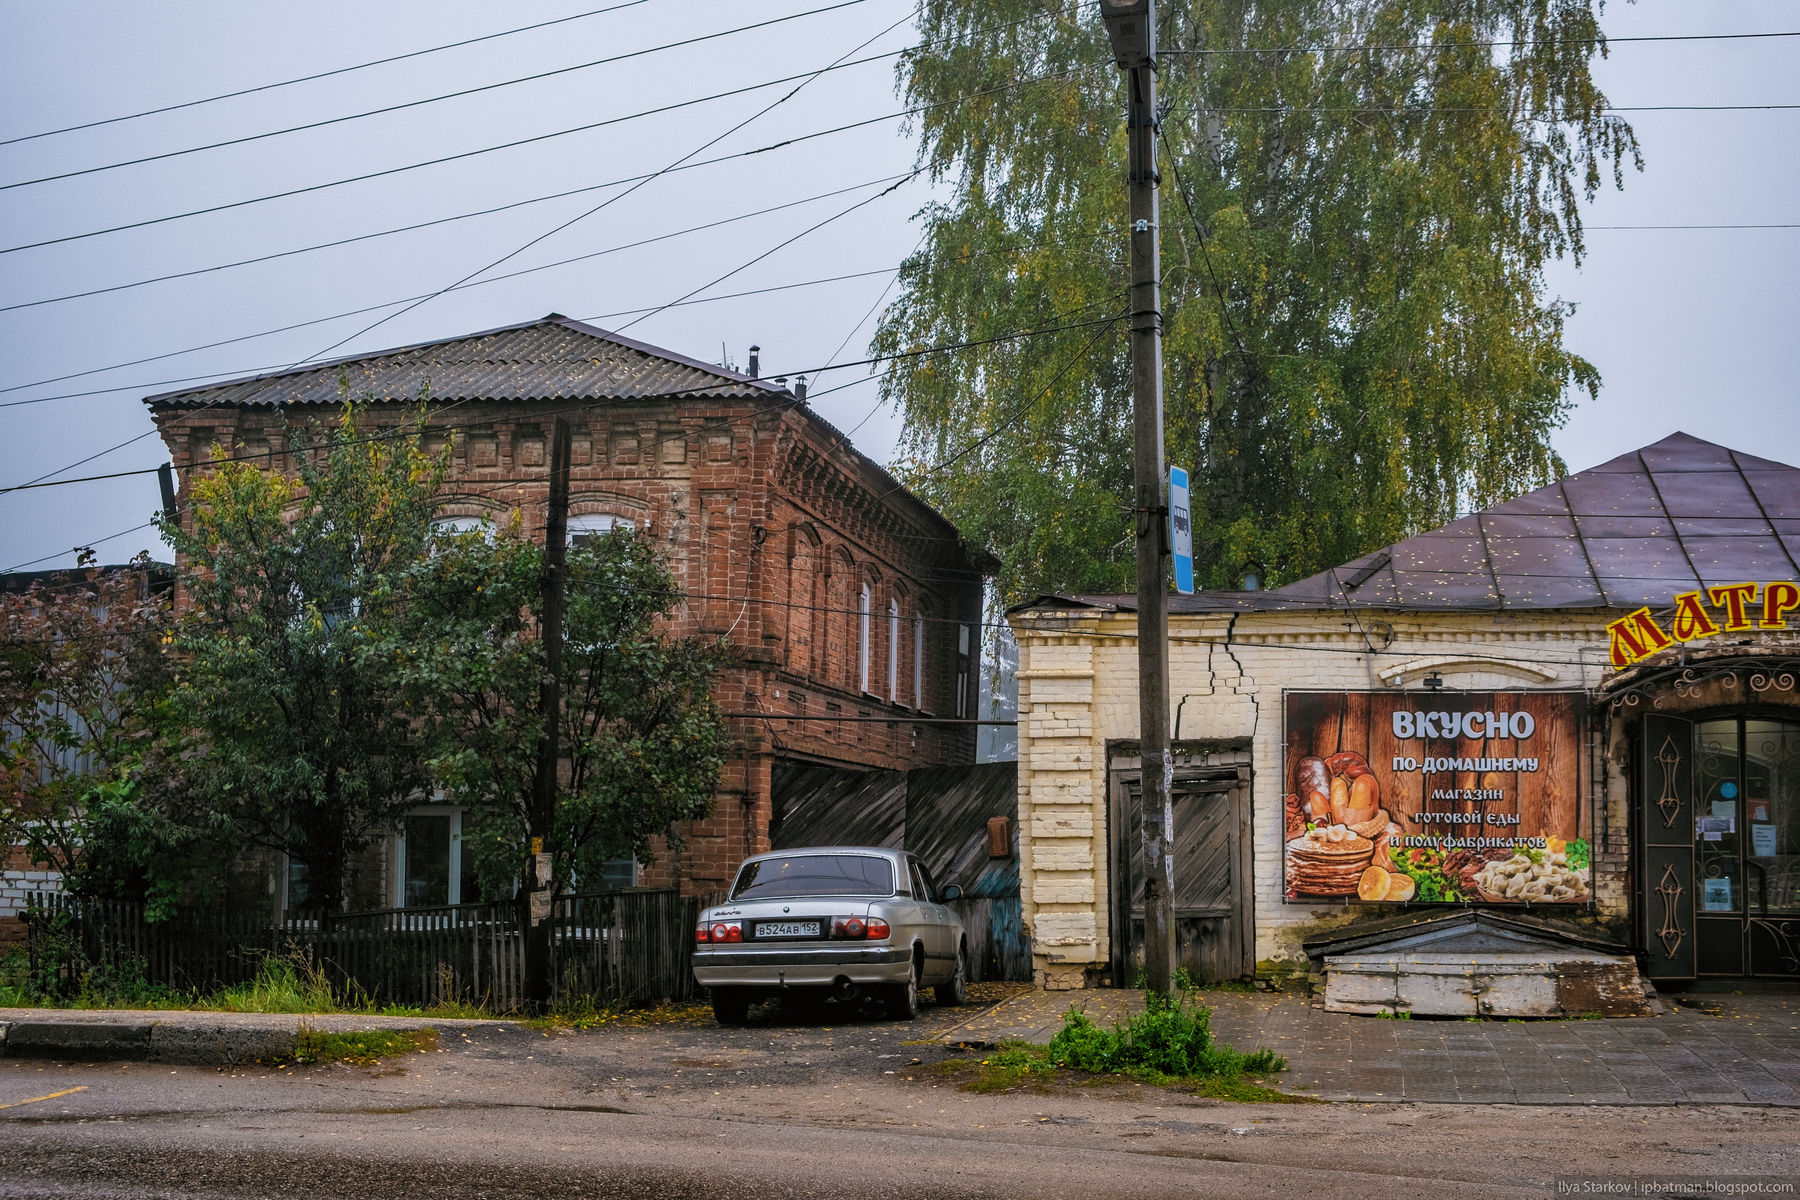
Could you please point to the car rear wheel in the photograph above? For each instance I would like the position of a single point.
(903, 998)
(731, 1006)
(952, 992)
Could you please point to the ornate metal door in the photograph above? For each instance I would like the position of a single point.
(1666, 863)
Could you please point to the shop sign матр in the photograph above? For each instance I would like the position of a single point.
(1435, 798)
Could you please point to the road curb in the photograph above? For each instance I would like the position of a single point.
(136, 1041)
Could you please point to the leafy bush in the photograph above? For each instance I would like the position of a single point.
(1170, 1037)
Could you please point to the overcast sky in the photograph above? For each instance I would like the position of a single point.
(1689, 328)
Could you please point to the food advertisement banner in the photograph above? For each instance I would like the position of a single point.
(1435, 798)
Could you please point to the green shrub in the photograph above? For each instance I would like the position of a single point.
(1172, 1036)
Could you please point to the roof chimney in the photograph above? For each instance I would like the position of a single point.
(800, 390)
(756, 362)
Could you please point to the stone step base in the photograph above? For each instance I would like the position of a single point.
(1485, 984)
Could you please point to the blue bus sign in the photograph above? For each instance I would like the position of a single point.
(1181, 531)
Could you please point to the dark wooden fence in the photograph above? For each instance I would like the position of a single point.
(629, 947)
(940, 814)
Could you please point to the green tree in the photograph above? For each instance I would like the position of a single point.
(290, 708)
(84, 668)
(1358, 202)
(641, 740)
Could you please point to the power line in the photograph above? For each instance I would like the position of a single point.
(237, 374)
(262, 370)
(316, 187)
(902, 354)
(265, 87)
(1201, 52)
(470, 91)
(411, 305)
(771, 250)
(120, 287)
(706, 145)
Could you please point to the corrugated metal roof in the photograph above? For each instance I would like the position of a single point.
(553, 359)
(1679, 514)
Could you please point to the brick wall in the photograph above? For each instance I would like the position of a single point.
(773, 526)
(19, 878)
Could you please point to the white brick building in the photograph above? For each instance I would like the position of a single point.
(1516, 600)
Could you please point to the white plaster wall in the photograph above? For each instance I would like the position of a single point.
(1078, 691)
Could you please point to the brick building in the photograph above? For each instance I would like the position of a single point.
(22, 876)
(847, 599)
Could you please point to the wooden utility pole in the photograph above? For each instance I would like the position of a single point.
(1131, 24)
(541, 828)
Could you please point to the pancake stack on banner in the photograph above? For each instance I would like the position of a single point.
(1328, 862)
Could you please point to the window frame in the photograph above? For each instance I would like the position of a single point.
(893, 650)
(397, 893)
(865, 620)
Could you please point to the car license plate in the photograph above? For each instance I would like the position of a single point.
(781, 929)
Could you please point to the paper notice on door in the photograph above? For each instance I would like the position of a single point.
(1715, 895)
(1763, 841)
(1724, 808)
(1709, 827)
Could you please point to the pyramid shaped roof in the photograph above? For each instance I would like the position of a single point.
(1679, 514)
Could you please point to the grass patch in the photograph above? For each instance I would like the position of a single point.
(284, 983)
(358, 1048)
(1169, 1044)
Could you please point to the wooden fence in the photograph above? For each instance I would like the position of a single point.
(629, 947)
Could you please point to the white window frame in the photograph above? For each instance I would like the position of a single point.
(893, 651)
(464, 524)
(964, 665)
(918, 692)
(455, 877)
(865, 617)
(589, 525)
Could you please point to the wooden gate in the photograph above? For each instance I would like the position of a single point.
(1214, 936)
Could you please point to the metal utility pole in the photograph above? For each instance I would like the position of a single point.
(1131, 24)
(541, 829)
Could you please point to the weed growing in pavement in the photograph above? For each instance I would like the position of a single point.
(358, 1048)
(1172, 1036)
(1169, 1044)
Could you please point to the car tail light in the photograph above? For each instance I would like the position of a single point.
(720, 931)
(878, 928)
(858, 927)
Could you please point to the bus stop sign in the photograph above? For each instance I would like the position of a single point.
(1181, 531)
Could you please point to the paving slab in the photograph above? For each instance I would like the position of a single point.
(1723, 1049)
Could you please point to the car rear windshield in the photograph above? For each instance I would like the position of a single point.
(815, 875)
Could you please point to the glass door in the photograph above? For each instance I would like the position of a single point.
(1747, 846)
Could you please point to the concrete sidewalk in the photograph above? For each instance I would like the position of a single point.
(1704, 1049)
(180, 1036)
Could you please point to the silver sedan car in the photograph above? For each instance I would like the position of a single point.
(838, 920)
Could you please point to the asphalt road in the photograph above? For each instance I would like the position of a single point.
(833, 1105)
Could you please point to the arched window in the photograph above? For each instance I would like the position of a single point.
(918, 660)
(893, 650)
(836, 665)
(865, 619)
(592, 525)
(803, 570)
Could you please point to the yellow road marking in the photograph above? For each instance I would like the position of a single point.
(51, 1096)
